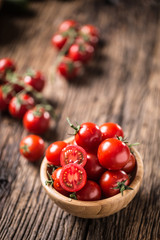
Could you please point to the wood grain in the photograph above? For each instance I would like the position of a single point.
(121, 85)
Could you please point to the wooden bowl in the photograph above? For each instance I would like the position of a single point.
(94, 209)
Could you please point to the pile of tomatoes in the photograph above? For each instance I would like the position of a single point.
(18, 95)
(76, 45)
(95, 164)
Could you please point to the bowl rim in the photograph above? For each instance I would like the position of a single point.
(135, 184)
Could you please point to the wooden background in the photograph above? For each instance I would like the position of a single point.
(122, 85)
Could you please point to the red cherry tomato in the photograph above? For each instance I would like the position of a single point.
(90, 192)
(58, 40)
(93, 168)
(83, 38)
(5, 65)
(6, 95)
(129, 167)
(89, 30)
(88, 136)
(113, 154)
(69, 69)
(19, 105)
(73, 154)
(68, 24)
(111, 130)
(53, 152)
(81, 52)
(35, 80)
(36, 120)
(56, 183)
(109, 181)
(32, 147)
(73, 177)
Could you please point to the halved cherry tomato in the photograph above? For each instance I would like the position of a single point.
(56, 182)
(35, 80)
(113, 154)
(93, 168)
(32, 147)
(5, 65)
(19, 105)
(73, 177)
(69, 69)
(58, 40)
(90, 192)
(53, 152)
(114, 179)
(68, 24)
(81, 52)
(6, 95)
(87, 135)
(111, 130)
(73, 154)
(129, 167)
(36, 120)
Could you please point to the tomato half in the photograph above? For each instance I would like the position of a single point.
(53, 152)
(114, 179)
(32, 147)
(129, 167)
(56, 182)
(90, 192)
(111, 130)
(113, 154)
(73, 177)
(93, 168)
(73, 154)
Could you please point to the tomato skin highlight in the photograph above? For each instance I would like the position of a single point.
(53, 152)
(19, 105)
(73, 154)
(88, 136)
(111, 130)
(32, 147)
(93, 168)
(90, 192)
(36, 120)
(109, 180)
(113, 154)
(35, 80)
(129, 167)
(56, 184)
(73, 177)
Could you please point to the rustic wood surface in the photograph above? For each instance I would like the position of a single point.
(122, 85)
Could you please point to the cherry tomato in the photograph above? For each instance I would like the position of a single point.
(69, 69)
(90, 192)
(89, 30)
(129, 167)
(81, 52)
(36, 120)
(53, 152)
(111, 130)
(56, 183)
(83, 38)
(73, 154)
(111, 179)
(113, 154)
(19, 105)
(87, 135)
(73, 177)
(35, 80)
(6, 95)
(32, 147)
(58, 40)
(5, 65)
(68, 24)
(93, 168)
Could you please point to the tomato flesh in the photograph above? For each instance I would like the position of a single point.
(73, 177)
(73, 154)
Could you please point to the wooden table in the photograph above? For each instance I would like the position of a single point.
(122, 85)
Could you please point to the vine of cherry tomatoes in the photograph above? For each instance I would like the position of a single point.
(76, 46)
(21, 96)
(96, 164)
